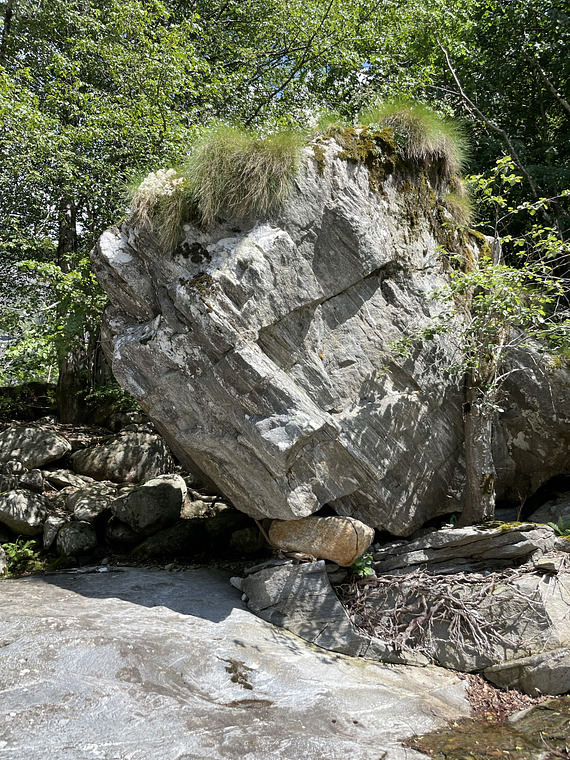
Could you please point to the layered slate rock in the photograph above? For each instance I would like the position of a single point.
(32, 446)
(130, 456)
(453, 550)
(299, 597)
(263, 350)
(339, 539)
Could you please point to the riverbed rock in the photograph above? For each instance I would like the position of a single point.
(129, 456)
(23, 511)
(76, 538)
(339, 539)
(300, 598)
(153, 505)
(541, 673)
(135, 663)
(32, 446)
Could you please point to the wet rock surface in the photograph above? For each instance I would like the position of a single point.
(540, 732)
(139, 664)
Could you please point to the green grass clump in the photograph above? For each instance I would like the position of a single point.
(421, 134)
(236, 172)
(229, 170)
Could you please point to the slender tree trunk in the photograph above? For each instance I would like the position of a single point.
(73, 361)
(479, 467)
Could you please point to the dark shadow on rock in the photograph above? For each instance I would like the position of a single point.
(199, 592)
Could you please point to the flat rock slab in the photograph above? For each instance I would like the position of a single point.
(133, 664)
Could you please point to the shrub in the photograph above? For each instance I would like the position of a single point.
(421, 134)
(235, 171)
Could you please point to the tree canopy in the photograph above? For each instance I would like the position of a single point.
(93, 92)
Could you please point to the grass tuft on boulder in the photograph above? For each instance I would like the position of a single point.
(421, 134)
(230, 170)
(236, 172)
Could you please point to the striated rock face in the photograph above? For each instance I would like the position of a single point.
(263, 351)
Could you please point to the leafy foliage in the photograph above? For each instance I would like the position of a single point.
(561, 528)
(362, 566)
(22, 556)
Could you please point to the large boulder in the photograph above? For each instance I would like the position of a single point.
(130, 456)
(32, 446)
(23, 511)
(263, 350)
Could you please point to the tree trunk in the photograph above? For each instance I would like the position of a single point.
(479, 467)
(73, 360)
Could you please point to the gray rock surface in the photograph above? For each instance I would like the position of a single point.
(139, 664)
(299, 597)
(32, 446)
(154, 505)
(63, 478)
(264, 354)
(76, 538)
(33, 480)
(452, 550)
(513, 626)
(556, 510)
(52, 526)
(2, 561)
(532, 440)
(130, 456)
(542, 673)
(23, 511)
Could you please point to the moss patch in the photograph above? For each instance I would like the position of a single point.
(319, 154)
(239, 671)
(376, 149)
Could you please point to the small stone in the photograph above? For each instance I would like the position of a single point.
(52, 526)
